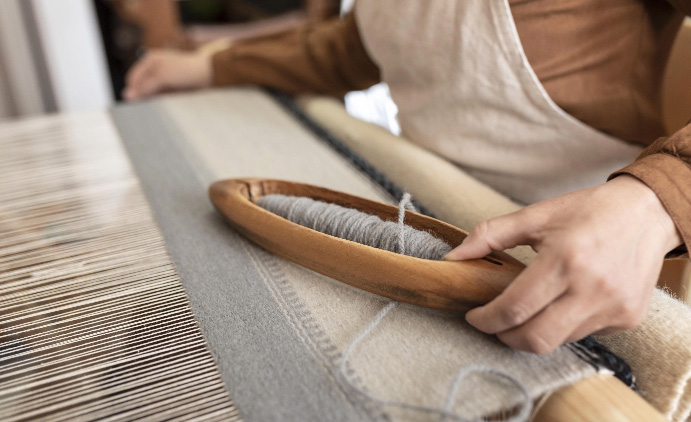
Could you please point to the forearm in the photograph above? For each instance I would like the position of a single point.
(325, 58)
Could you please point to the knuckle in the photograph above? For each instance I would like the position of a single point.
(480, 229)
(608, 288)
(484, 230)
(576, 261)
(513, 315)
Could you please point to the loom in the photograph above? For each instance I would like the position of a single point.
(454, 286)
(123, 295)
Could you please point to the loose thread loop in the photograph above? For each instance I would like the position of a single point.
(445, 413)
(404, 204)
(367, 229)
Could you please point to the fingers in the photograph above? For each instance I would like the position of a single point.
(497, 234)
(141, 67)
(143, 79)
(563, 320)
(135, 76)
(595, 271)
(161, 71)
(150, 85)
(592, 307)
(567, 320)
(532, 291)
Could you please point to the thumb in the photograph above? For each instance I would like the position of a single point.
(497, 234)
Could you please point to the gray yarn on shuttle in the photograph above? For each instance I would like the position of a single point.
(354, 225)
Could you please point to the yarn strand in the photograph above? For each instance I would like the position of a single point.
(353, 225)
(404, 204)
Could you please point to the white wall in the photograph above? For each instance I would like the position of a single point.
(71, 41)
(19, 82)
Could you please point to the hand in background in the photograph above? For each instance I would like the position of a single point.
(167, 70)
(600, 251)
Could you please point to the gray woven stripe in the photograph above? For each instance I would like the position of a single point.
(94, 323)
(244, 327)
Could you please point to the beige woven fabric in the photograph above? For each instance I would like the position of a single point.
(658, 351)
(413, 356)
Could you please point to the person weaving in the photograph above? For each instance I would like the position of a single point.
(540, 100)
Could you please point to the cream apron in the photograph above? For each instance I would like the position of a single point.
(465, 90)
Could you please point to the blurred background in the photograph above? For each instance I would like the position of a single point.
(73, 55)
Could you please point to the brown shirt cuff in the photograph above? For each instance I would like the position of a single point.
(665, 167)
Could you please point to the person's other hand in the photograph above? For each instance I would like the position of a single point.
(167, 70)
(600, 251)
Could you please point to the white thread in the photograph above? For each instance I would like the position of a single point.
(405, 203)
(316, 214)
(446, 412)
(526, 408)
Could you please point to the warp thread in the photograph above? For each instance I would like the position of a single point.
(368, 229)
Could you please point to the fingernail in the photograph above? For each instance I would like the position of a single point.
(453, 254)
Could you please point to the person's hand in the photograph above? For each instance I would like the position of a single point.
(600, 251)
(163, 70)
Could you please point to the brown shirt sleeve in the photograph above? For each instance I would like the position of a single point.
(683, 6)
(324, 58)
(665, 166)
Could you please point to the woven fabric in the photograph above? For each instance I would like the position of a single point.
(267, 319)
(658, 351)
